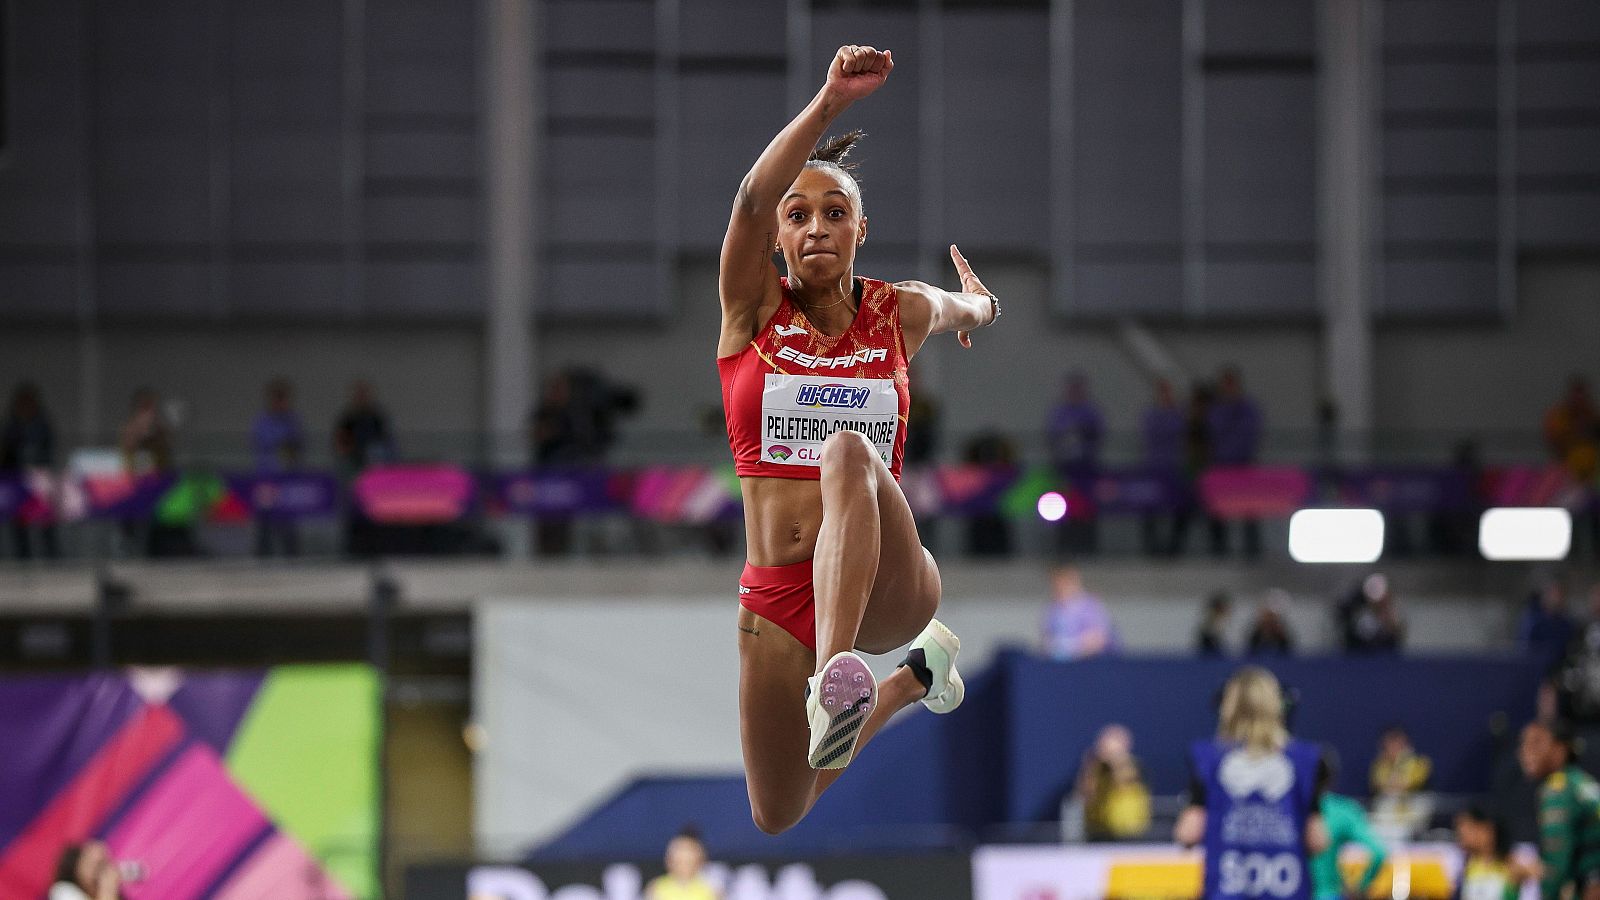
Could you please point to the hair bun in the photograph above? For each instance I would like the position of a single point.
(835, 149)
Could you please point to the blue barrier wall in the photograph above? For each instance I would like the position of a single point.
(1055, 709)
(1012, 749)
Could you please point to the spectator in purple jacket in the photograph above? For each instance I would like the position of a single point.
(277, 439)
(1077, 625)
(1076, 426)
(1074, 432)
(1164, 429)
(1235, 429)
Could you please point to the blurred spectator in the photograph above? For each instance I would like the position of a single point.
(276, 435)
(575, 425)
(576, 420)
(1234, 423)
(1163, 433)
(1328, 434)
(1076, 625)
(1075, 428)
(1513, 799)
(1109, 801)
(361, 435)
(278, 440)
(989, 534)
(145, 439)
(922, 430)
(1454, 531)
(555, 443)
(1398, 776)
(1572, 431)
(1569, 811)
(1485, 870)
(361, 438)
(1346, 822)
(1572, 434)
(1369, 618)
(1577, 678)
(1270, 636)
(86, 871)
(1212, 638)
(1197, 455)
(1544, 628)
(685, 859)
(27, 445)
(1074, 433)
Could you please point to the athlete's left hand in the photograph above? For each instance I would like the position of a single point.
(969, 285)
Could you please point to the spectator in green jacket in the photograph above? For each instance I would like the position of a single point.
(1346, 822)
(1569, 813)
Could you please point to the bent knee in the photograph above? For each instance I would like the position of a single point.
(773, 818)
(848, 449)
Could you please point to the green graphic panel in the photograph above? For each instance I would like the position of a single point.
(307, 751)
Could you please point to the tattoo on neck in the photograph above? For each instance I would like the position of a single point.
(749, 629)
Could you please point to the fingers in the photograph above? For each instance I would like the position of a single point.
(855, 59)
(962, 267)
(969, 280)
(964, 338)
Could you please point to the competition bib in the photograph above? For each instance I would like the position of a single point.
(799, 412)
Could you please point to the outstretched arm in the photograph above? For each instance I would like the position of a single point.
(926, 310)
(747, 275)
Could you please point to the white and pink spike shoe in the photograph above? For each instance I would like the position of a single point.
(839, 699)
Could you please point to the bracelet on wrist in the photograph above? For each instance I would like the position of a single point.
(994, 305)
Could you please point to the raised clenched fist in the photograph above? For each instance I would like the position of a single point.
(857, 71)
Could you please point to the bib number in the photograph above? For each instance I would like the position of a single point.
(799, 412)
(1259, 875)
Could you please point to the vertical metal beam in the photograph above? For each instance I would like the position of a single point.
(1506, 159)
(797, 35)
(932, 257)
(512, 106)
(86, 259)
(219, 154)
(667, 157)
(1347, 198)
(1193, 156)
(931, 133)
(353, 155)
(383, 599)
(1063, 155)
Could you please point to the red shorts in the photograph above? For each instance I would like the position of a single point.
(783, 596)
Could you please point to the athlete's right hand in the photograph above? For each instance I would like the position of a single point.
(857, 71)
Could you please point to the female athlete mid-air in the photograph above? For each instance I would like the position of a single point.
(815, 391)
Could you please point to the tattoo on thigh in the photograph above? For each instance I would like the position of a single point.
(749, 629)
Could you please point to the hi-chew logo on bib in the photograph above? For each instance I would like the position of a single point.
(834, 396)
(800, 412)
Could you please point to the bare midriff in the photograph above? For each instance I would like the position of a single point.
(781, 519)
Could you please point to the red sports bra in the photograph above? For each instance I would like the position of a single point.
(792, 387)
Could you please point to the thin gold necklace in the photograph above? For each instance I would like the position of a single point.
(842, 297)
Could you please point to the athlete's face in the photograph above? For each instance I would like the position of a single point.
(820, 226)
